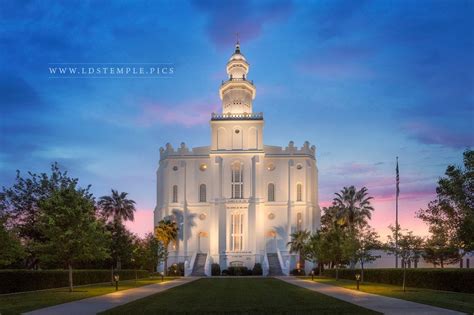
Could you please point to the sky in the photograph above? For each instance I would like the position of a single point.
(364, 81)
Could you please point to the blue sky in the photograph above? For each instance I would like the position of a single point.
(364, 81)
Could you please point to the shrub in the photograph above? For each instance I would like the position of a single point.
(297, 272)
(30, 280)
(176, 269)
(239, 271)
(215, 270)
(225, 272)
(459, 280)
(257, 270)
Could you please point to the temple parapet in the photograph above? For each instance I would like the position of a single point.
(291, 149)
(183, 150)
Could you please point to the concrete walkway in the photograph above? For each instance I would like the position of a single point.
(379, 303)
(101, 303)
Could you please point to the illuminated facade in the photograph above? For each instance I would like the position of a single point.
(237, 200)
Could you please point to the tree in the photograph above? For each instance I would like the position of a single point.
(453, 209)
(70, 228)
(21, 203)
(166, 231)
(314, 251)
(440, 249)
(149, 252)
(409, 248)
(120, 244)
(297, 245)
(118, 208)
(333, 247)
(11, 248)
(354, 206)
(367, 240)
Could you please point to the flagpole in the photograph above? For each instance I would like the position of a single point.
(396, 217)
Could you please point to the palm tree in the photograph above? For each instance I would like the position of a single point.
(354, 208)
(166, 231)
(298, 244)
(117, 206)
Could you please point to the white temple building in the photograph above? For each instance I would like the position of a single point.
(237, 200)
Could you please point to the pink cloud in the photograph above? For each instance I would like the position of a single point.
(435, 134)
(186, 114)
(143, 222)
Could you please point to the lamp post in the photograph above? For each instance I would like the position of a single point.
(162, 276)
(116, 278)
(312, 275)
(357, 279)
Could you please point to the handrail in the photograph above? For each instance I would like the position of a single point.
(285, 268)
(188, 271)
(265, 265)
(207, 265)
(241, 116)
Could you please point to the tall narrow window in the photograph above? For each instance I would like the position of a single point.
(271, 192)
(299, 192)
(237, 232)
(299, 221)
(202, 193)
(237, 181)
(175, 193)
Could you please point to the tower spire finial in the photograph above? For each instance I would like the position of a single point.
(237, 44)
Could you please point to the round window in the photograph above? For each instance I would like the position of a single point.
(237, 131)
(175, 168)
(202, 216)
(299, 166)
(270, 167)
(203, 167)
(271, 216)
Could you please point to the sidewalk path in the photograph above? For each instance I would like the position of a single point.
(101, 303)
(379, 303)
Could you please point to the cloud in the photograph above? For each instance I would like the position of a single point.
(246, 17)
(176, 114)
(355, 168)
(429, 134)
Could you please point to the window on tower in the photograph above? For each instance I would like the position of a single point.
(299, 192)
(202, 193)
(271, 192)
(175, 193)
(237, 181)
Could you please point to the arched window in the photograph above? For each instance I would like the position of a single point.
(237, 181)
(299, 192)
(202, 193)
(271, 192)
(175, 193)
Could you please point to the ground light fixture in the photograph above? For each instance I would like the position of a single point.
(162, 274)
(312, 275)
(116, 278)
(357, 275)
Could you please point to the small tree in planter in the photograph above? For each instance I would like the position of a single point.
(297, 245)
(409, 248)
(166, 231)
(215, 269)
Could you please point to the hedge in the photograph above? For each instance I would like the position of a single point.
(29, 280)
(458, 280)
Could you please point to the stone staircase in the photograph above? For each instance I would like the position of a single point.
(274, 265)
(199, 263)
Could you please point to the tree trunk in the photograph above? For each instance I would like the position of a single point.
(361, 271)
(301, 262)
(165, 266)
(404, 276)
(70, 277)
(112, 275)
(337, 272)
(320, 269)
(119, 263)
(442, 263)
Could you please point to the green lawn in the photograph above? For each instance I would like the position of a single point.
(238, 296)
(24, 302)
(463, 302)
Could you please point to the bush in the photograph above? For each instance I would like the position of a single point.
(459, 280)
(30, 280)
(225, 272)
(257, 270)
(239, 271)
(176, 269)
(215, 270)
(297, 272)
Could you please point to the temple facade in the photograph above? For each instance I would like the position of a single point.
(237, 201)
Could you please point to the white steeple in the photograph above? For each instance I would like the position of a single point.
(237, 93)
